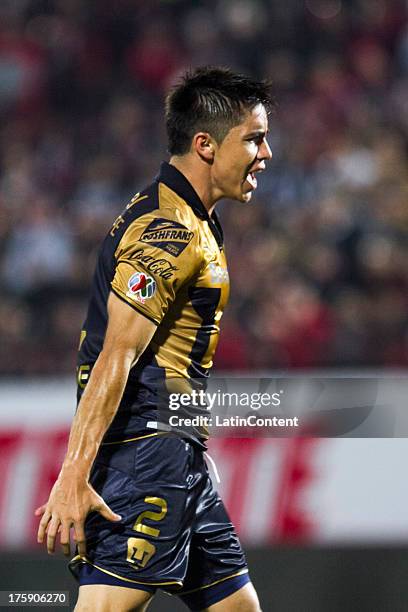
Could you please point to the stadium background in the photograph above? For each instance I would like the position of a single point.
(319, 263)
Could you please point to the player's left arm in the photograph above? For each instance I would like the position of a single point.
(72, 497)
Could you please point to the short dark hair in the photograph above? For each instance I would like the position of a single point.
(210, 99)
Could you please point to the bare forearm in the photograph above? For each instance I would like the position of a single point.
(72, 496)
(96, 411)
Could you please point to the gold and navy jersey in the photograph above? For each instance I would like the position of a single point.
(164, 257)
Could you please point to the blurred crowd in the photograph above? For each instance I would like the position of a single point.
(319, 260)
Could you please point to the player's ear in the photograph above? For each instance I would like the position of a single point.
(203, 145)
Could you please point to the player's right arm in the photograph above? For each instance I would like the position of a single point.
(72, 497)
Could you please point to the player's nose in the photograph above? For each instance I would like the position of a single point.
(265, 150)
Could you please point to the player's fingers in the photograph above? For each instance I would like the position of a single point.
(79, 537)
(43, 526)
(64, 538)
(52, 534)
(40, 510)
(107, 513)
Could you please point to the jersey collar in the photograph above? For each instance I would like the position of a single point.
(173, 178)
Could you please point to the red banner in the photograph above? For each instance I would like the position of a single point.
(263, 484)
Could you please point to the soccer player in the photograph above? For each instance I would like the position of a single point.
(140, 501)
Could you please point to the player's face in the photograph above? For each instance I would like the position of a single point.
(240, 156)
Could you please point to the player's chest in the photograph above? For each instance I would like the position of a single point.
(214, 273)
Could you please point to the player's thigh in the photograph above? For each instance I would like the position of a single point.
(244, 600)
(107, 598)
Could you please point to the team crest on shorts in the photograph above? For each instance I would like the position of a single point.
(141, 287)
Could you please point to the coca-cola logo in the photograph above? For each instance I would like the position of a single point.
(161, 266)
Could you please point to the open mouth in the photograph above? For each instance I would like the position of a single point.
(251, 179)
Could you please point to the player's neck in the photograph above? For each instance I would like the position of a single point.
(198, 177)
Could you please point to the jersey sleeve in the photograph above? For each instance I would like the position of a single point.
(155, 257)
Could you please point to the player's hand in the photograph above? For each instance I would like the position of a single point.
(70, 501)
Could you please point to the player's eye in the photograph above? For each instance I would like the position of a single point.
(256, 139)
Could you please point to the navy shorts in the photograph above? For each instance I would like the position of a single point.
(175, 533)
